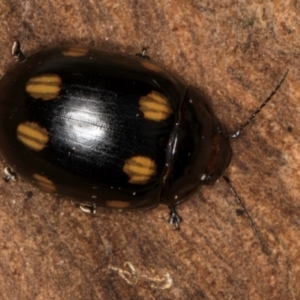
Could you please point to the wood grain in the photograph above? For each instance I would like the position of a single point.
(237, 52)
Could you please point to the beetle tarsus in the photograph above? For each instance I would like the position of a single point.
(9, 174)
(88, 208)
(143, 54)
(175, 219)
(17, 52)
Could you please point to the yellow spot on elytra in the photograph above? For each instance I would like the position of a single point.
(44, 183)
(75, 51)
(117, 204)
(45, 87)
(150, 66)
(32, 135)
(155, 106)
(140, 169)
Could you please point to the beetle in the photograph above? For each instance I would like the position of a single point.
(109, 130)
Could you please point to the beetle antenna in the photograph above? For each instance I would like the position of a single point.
(238, 133)
(244, 210)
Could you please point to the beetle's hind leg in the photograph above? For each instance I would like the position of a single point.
(17, 52)
(175, 219)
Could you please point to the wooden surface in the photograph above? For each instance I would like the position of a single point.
(237, 52)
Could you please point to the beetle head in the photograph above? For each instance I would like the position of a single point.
(220, 156)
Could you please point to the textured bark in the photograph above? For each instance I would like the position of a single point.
(237, 52)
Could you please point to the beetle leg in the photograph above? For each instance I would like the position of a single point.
(175, 219)
(9, 174)
(88, 208)
(143, 54)
(17, 52)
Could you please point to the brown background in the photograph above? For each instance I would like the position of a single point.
(237, 51)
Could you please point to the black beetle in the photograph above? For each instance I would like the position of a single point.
(109, 130)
